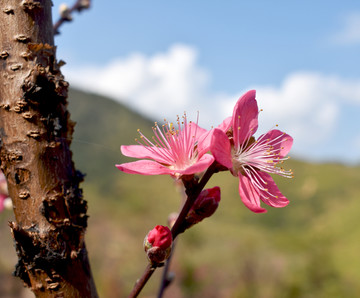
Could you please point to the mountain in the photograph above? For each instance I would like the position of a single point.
(102, 125)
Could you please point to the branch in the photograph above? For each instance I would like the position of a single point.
(193, 188)
(66, 13)
(35, 136)
(140, 283)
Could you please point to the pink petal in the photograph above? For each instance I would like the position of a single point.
(220, 147)
(250, 195)
(204, 142)
(225, 125)
(140, 151)
(282, 142)
(201, 165)
(245, 117)
(144, 167)
(279, 200)
(195, 130)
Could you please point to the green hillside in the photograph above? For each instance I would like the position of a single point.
(307, 249)
(102, 126)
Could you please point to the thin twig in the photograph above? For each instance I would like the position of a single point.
(65, 15)
(139, 285)
(165, 282)
(178, 226)
(193, 189)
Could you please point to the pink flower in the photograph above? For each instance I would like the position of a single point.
(157, 244)
(234, 146)
(171, 151)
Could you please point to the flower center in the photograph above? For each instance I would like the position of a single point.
(175, 145)
(263, 155)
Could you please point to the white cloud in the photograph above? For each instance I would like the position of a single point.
(161, 85)
(307, 105)
(350, 33)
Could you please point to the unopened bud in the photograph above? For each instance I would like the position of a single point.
(64, 12)
(204, 206)
(157, 244)
(84, 4)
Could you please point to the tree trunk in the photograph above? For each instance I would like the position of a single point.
(35, 135)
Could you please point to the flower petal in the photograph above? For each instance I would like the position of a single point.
(204, 142)
(220, 147)
(225, 125)
(245, 117)
(140, 151)
(194, 130)
(280, 141)
(144, 167)
(201, 165)
(249, 195)
(276, 199)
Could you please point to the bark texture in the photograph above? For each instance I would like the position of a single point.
(35, 134)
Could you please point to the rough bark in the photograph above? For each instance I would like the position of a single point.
(35, 134)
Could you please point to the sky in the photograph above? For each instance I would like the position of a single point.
(162, 58)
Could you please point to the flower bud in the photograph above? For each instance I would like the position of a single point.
(157, 244)
(64, 12)
(204, 206)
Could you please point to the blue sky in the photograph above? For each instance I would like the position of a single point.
(164, 57)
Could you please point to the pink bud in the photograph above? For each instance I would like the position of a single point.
(157, 244)
(204, 206)
(160, 236)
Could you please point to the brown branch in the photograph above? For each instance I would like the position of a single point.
(66, 13)
(140, 283)
(193, 189)
(165, 278)
(35, 136)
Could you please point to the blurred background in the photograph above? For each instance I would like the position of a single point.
(132, 63)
